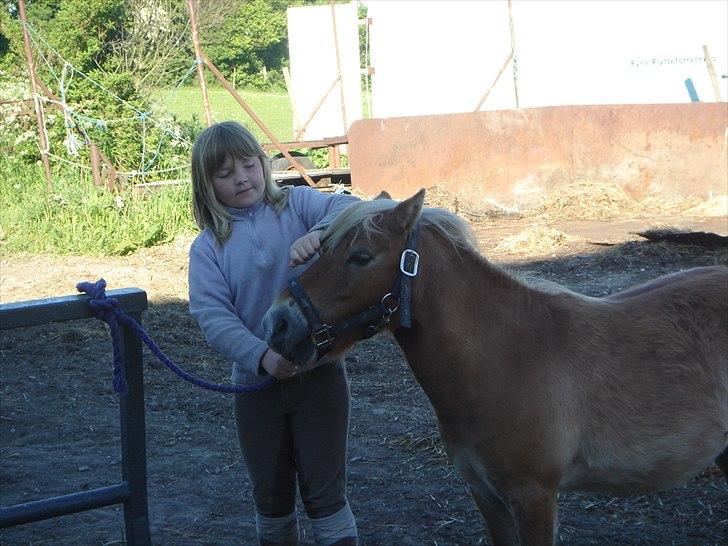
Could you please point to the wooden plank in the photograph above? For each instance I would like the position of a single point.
(140, 190)
(300, 144)
(313, 173)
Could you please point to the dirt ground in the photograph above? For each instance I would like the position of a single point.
(59, 416)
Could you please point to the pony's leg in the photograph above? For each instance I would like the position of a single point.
(497, 517)
(722, 462)
(534, 510)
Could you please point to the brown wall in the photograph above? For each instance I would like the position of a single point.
(517, 156)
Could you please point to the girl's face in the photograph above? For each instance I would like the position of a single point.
(239, 182)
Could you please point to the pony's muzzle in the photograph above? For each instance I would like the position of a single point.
(287, 332)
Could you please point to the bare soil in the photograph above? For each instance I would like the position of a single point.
(59, 417)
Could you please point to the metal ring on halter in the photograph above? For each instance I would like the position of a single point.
(390, 308)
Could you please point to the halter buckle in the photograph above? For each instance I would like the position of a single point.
(322, 337)
(409, 262)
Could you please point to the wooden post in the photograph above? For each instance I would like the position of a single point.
(95, 164)
(334, 156)
(513, 51)
(711, 71)
(104, 161)
(303, 127)
(485, 96)
(39, 118)
(338, 68)
(263, 127)
(198, 54)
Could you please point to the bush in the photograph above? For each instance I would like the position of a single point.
(78, 218)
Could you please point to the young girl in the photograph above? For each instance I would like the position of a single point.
(255, 237)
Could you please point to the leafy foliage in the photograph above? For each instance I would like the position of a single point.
(251, 39)
(78, 218)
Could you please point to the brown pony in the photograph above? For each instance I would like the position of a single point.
(537, 389)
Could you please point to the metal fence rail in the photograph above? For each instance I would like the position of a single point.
(132, 491)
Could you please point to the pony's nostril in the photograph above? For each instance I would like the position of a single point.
(280, 328)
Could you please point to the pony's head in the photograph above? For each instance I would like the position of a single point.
(351, 291)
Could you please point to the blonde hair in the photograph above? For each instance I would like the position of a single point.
(364, 216)
(211, 149)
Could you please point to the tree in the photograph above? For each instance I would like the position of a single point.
(155, 45)
(250, 37)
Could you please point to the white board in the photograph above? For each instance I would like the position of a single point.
(433, 57)
(314, 68)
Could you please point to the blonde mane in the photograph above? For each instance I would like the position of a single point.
(365, 216)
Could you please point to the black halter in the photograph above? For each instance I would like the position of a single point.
(373, 318)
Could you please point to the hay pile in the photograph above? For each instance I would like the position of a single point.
(604, 200)
(714, 207)
(534, 240)
(474, 209)
(583, 199)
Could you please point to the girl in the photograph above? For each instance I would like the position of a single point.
(255, 236)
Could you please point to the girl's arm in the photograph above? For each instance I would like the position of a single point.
(211, 304)
(319, 209)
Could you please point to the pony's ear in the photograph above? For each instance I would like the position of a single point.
(406, 213)
(384, 194)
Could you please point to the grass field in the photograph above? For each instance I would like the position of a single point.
(273, 108)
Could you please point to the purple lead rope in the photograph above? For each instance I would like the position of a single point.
(107, 309)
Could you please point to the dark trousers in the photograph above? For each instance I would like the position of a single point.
(296, 431)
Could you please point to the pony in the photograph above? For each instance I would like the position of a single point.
(537, 389)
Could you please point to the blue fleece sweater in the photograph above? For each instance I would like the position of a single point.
(231, 286)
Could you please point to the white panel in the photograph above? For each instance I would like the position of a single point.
(435, 57)
(313, 68)
(607, 52)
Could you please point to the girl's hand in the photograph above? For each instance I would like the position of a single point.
(276, 365)
(305, 247)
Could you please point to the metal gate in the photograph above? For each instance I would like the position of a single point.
(132, 491)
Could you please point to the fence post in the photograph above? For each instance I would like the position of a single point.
(133, 441)
(39, 116)
(200, 66)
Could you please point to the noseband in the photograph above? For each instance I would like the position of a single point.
(373, 318)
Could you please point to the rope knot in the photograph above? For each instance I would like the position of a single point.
(104, 307)
(107, 309)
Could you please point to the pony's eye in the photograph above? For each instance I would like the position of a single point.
(359, 258)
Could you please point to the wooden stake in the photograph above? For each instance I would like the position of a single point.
(198, 54)
(485, 96)
(263, 127)
(111, 180)
(513, 51)
(711, 71)
(303, 127)
(95, 164)
(39, 117)
(338, 68)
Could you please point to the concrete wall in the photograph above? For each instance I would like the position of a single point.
(516, 156)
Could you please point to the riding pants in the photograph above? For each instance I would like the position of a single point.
(294, 433)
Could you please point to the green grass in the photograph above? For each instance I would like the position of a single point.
(274, 109)
(77, 218)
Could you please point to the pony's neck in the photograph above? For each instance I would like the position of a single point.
(467, 313)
